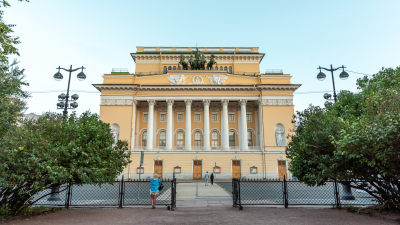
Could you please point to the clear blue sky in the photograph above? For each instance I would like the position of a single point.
(296, 36)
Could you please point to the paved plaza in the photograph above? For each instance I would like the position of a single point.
(204, 215)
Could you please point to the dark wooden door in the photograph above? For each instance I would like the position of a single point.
(282, 169)
(158, 168)
(197, 174)
(236, 173)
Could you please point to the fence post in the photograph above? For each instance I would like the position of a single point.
(285, 192)
(121, 193)
(173, 193)
(337, 198)
(240, 200)
(67, 199)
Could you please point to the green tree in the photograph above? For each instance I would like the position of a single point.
(54, 150)
(11, 77)
(358, 138)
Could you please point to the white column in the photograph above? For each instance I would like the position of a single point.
(170, 131)
(206, 132)
(243, 126)
(225, 125)
(150, 120)
(133, 138)
(188, 125)
(260, 126)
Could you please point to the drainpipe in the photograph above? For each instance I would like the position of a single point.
(262, 122)
(132, 132)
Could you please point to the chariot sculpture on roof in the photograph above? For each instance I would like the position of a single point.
(199, 61)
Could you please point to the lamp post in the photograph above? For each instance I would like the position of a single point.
(347, 193)
(54, 196)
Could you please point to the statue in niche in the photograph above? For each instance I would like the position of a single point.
(280, 135)
(115, 133)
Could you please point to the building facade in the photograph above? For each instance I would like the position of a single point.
(226, 118)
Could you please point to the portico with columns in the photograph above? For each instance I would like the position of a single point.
(189, 122)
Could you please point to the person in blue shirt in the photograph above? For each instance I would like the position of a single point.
(206, 176)
(154, 183)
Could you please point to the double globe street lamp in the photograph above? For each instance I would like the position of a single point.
(63, 104)
(347, 194)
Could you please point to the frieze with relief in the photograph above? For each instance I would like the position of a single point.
(116, 102)
(142, 106)
(215, 107)
(197, 107)
(277, 102)
(197, 80)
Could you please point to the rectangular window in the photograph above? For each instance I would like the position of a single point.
(145, 117)
(163, 117)
(180, 117)
(231, 117)
(196, 117)
(214, 117)
(248, 117)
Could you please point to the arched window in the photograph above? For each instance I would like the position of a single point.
(165, 70)
(212, 68)
(216, 68)
(230, 70)
(179, 68)
(232, 138)
(250, 138)
(188, 67)
(179, 139)
(197, 139)
(174, 67)
(225, 68)
(214, 139)
(169, 68)
(220, 68)
(162, 139)
(144, 138)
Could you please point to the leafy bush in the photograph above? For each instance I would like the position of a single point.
(53, 149)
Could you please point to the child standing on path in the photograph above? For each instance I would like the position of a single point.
(206, 177)
(154, 184)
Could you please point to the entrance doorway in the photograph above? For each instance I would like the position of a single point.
(236, 173)
(282, 169)
(197, 168)
(158, 168)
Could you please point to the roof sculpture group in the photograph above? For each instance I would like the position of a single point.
(198, 63)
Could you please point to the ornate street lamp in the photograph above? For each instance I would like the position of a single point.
(321, 76)
(347, 194)
(63, 104)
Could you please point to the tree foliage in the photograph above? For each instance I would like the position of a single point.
(11, 78)
(53, 150)
(358, 138)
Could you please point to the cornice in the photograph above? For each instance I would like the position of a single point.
(134, 87)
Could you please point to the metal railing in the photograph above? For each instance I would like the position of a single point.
(290, 192)
(121, 193)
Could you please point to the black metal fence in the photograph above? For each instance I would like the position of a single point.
(121, 193)
(290, 192)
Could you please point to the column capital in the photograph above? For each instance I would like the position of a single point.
(243, 102)
(206, 102)
(188, 102)
(170, 102)
(225, 102)
(151, 101)
(259, 102)
(134, 102)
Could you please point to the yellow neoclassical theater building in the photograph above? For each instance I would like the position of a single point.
(193, 110)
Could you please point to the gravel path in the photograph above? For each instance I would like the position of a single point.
(204, 215)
